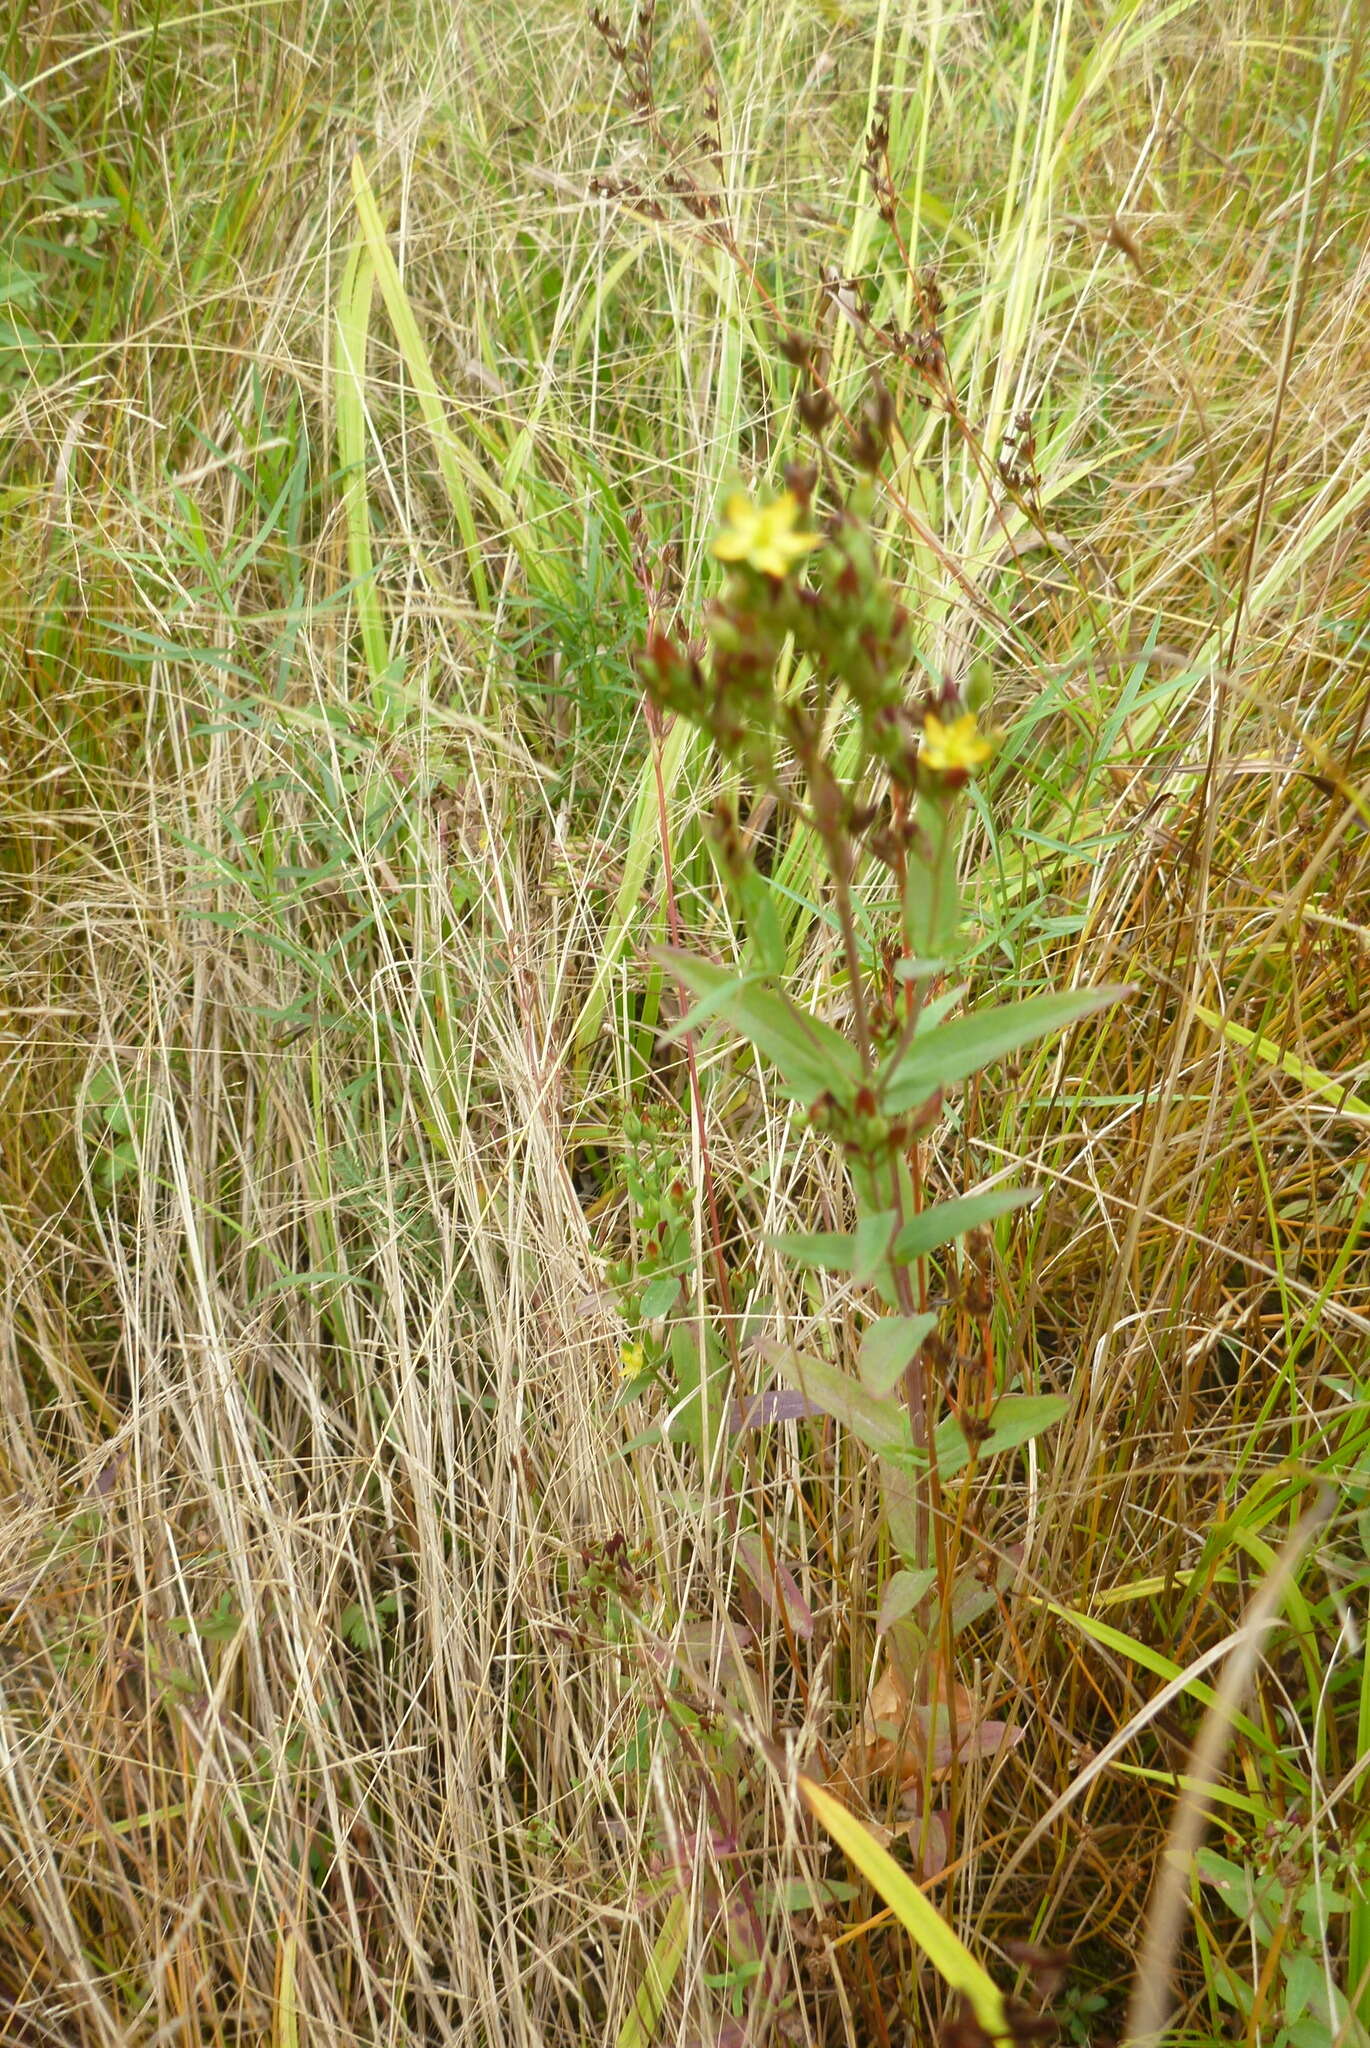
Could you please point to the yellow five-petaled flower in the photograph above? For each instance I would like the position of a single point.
(957, 747)
(765, 537)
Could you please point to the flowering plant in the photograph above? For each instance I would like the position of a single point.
(874, 768)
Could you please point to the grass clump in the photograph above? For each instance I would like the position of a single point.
(468, 1460)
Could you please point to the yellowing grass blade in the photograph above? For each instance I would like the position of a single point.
(1311, 1078)
(286, 2031)
(351, 334)
(457, 467)
(662, 1966)
(946, 1952)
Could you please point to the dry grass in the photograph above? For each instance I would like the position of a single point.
(326, 991)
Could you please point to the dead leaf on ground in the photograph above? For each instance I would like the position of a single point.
(913, 1744)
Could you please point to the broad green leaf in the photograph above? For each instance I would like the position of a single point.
(932, 901)
(660, 1296)
(924, 1232)
(890, 1346)
(700, 1412)
(708, 1006)
(632, 1390)
(941, 1057)
(857, 1252)
(937, 1007)
(765, 932)
(809, 1056)
(882, 1426)
(903, 1594)
(805, 1895)
(645, 1440)
(1250, 1898)
(1017, 1418)
(1305, 1983)
(824, 1251)
(1014, 1421)
(945, 1950)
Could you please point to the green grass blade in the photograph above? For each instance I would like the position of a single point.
(459, 470)
(663, 1967)
(351, 335)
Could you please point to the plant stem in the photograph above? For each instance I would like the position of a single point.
(839, 864)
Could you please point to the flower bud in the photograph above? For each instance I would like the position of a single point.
(979, 684)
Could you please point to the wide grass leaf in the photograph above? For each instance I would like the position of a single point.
(663, 1967)
(945, 1950)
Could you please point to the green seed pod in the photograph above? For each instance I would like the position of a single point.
(979, 684)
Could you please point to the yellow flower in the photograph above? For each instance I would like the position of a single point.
(632, 1360)
(765, 537)
(956, 748)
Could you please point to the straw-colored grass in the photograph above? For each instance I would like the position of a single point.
(332, 848)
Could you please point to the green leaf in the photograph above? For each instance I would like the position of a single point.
(223, 1624)
(457, 466)
(1163, 1667)
(645, 1440)
(699, 1413)
(930, 1228)
(809, 1056)
(660, 1296)
(890, 1346)
(355, 1626)
(937, 1007)
(836, 1251)
(123, 1159)
(902, 1595)
(1316, 2033)
(1015, 1420)
(352, 334)
(808, 1895)
(941, 1057)
(881, 1425)
(1266, 1050)
(765, 932)
(945, 1950)
(932, 901)
(633, 1390)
